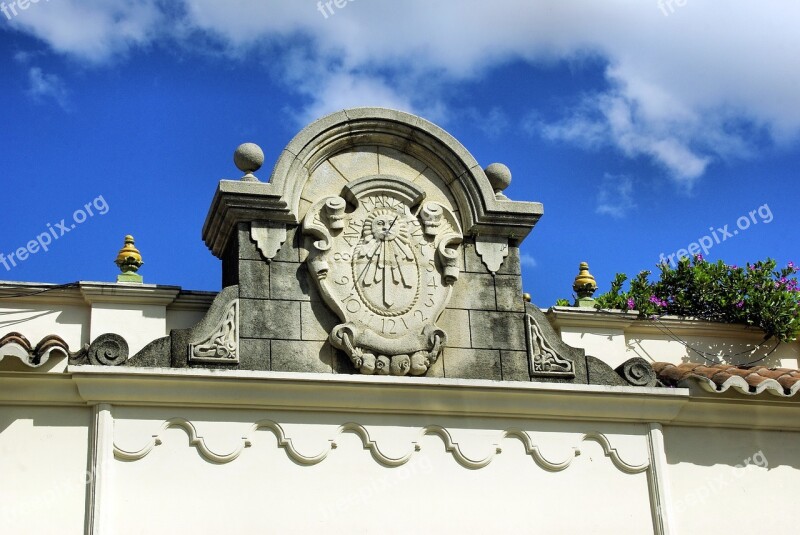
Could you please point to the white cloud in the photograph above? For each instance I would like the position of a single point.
(43, 85)
(615, 197)
(344, 90)
(675, 85)
(527, 261)
(93, 30)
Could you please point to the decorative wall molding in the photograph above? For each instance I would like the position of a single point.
(198, 442)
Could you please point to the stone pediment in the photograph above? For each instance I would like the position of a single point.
(377, 246)
(352, 144)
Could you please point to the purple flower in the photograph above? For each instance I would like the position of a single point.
(791, 265)
(631, 303)
(658, 302)
(698, 257)
(740, 304)
(734, 267)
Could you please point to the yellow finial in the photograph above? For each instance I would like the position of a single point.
(129, 260)
(584, 286)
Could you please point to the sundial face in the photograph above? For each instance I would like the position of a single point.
(387, 271)
(385, 262)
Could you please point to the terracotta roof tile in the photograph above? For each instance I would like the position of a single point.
(751, 380)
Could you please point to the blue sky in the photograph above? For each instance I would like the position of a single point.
(641, 126)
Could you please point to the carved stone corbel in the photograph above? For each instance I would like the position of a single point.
(269, 237)
(493, 250)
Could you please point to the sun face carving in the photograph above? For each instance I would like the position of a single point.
(384, 227)
(384, 263)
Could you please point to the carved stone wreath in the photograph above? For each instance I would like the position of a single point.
(385, 265)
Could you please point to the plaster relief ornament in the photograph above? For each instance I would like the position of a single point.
(385, 262)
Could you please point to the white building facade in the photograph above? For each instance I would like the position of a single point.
(370, 366)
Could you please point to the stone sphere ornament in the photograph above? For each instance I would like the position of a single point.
(499, 177)
(249, 158)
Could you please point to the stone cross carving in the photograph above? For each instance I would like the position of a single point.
(385, 263)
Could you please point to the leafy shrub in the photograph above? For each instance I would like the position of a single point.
(758, 294)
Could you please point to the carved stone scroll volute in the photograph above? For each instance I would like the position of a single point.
(385, 262)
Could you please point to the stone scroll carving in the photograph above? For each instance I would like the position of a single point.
(542, 358)
(385, 262)
(108, 350)
(222, 346)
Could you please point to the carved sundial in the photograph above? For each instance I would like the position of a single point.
(385, 262)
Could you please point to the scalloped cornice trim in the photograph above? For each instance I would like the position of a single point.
(198, 442)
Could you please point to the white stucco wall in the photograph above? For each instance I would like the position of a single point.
(348, 454)
(44, 458)
(732, 480)
(349, 491)
(615, 337)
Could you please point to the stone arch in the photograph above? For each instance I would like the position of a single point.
(350, 144)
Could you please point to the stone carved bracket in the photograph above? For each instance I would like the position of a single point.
(552, 360)
(269, 237)
(222, 345)
(493, 251)
(542, 358)
(386, 267)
